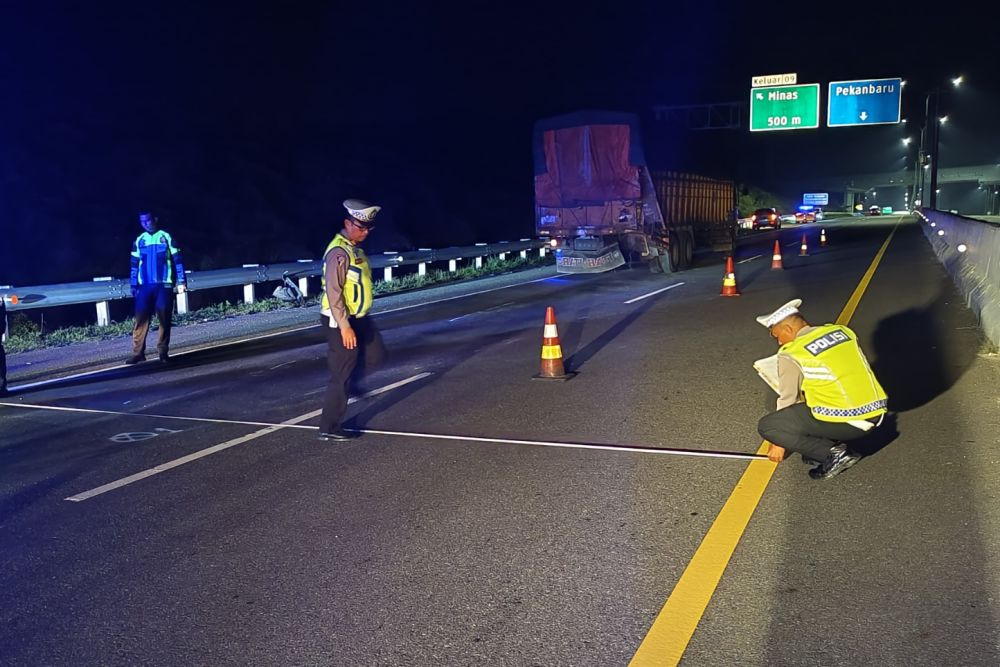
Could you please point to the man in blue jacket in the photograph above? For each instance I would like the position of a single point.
(157, 267)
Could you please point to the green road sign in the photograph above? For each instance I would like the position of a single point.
(784, 108)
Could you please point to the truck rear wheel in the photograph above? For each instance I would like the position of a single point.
(687, 251)
(672, 261)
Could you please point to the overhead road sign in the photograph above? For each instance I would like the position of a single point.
(774, 80)
(816, 198)
(784, 107)
(864, 102)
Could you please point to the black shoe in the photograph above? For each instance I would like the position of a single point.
(164, 357)
(135, 358)
(839, 460)
(4, 392)
(811, 462)
(337, 434)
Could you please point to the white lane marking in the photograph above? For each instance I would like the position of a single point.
(749, 259)
(169, 465)
(238, 422)
(250, 339)
(646, 296)
(287, 363)
(793, 243)
(572, 445)
(455, 319)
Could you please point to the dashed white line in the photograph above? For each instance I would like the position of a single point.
(749, 259)
(169, 465)
(237, 422)
(646, 296)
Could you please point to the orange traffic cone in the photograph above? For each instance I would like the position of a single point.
(552, 358)
(776, 258)
(729, 280)
(804, 249)
(822, 237)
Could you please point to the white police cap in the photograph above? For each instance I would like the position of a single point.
(362, 211)
(781, 313)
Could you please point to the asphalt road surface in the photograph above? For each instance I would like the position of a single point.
(186, 514)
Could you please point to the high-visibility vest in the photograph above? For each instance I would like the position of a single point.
(838, 383)
(156, 260)
(358, 286)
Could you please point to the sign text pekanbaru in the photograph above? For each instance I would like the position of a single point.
(784, 107)
(864, 102)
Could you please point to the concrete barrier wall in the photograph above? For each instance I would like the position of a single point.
(970, 251)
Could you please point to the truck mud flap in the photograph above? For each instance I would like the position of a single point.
(599, 261)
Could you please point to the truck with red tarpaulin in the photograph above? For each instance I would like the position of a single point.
(600, 205)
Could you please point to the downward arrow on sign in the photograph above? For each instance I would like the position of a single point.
(864, 115)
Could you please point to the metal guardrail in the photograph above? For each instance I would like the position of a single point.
(102, 290)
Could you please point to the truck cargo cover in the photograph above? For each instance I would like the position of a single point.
(587, 158)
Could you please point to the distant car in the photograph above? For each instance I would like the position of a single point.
(874, 210)
(765, 217)
(808, 214)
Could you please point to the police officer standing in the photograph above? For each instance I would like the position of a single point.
(827, 392)
(347, 298)
(156, 267)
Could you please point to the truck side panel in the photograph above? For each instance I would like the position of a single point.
(703, 205)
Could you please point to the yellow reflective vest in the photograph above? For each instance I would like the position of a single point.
(358, 286)
(838, 384)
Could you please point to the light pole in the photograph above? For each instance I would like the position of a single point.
(935, 128)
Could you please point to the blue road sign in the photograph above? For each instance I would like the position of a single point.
(816, 198)
(867, 102)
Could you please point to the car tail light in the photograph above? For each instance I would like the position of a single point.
(753, 218)
(773, 216)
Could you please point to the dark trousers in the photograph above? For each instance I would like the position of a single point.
(3, 368)
(343, 362)
(795, 429)
(149, 299)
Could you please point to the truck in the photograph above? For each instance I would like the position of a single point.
(598, 203)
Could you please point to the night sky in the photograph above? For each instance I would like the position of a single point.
(246, 124)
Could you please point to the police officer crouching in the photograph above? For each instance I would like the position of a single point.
(827, 392)
(347, 298)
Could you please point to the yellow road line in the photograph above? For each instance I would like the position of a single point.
(674, 626)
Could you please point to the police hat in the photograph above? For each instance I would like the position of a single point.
(362, 212)
(781, 313)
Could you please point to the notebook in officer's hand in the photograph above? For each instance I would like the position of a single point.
(767, 369)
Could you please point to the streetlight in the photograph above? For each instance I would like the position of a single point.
(906, 141)
(933, 135)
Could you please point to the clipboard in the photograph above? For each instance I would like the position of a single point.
(767, 369)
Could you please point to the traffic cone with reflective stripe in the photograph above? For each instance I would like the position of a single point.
(804, 249)
(552, 358)
(776, 258)
(729, 280)
(822, 237)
